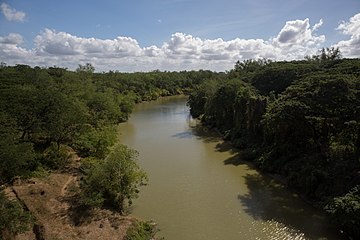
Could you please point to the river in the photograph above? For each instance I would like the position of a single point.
(200, 190)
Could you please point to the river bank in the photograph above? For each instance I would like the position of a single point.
(276, 177)
(194, 176)
(50, 200)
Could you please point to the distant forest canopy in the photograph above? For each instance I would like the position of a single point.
(298, 119)
(45, 110)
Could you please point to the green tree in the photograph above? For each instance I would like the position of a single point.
(88, 68)
(15, 155)
(200, 96)
(13, 218)
(345, 210)
(96, 142)
(114, 181)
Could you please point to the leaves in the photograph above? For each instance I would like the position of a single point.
(302, 121)
(13, 218)
(114, 181)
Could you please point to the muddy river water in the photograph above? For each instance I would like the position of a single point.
(199, 189)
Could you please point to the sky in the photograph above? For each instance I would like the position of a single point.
(173, 35)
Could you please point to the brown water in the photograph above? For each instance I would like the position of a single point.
(198, 188)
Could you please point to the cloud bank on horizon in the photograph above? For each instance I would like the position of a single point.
(182, 51)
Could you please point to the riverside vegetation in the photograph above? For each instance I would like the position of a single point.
(298, 119)
(47, 112)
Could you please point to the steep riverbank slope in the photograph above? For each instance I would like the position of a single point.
(50, 202)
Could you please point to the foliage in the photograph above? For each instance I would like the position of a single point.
(15, 155)
(45, 111)
(141, 231)
(346, 211)
(228, 105)
(299, 119)
(326, 56)
(55, 157)
(13, 218)
(312, 118)
(96, 142)
(114, 181)
(200, 96)
(87, 68)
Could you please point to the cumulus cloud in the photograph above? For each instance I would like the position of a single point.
(351, 47)
(299, 32)
(182, 51)
(12, 38)
(50, 42)
(10, 49)
(11, 14)
(188, 47)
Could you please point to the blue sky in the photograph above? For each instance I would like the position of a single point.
(143, 35)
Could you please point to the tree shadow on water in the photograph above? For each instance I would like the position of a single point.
(270, 201)
(236, 161)
(204, 134)
(210, 136)
(183, 135)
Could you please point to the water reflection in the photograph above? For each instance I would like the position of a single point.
(269, 201)
(282, 213)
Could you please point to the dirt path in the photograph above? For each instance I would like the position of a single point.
(65, 187)
(48, 200)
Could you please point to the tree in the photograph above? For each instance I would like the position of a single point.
(114, 181)
(15, 155)
(64, 119)
(346, 211)
(200, 96)
(326, 56)
(13, 218)
(88, 68)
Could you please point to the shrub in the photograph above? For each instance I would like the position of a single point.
(112, 182)
(141, 231)
(55, 157)
(13, 218)
(345, 210)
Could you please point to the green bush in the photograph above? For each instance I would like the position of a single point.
(112, 182)
(13, 218)
(96, 142)
(15, 155)
(141, 231)
(55, 157)
(345, 211)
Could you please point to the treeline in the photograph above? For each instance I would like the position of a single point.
(298, 119)
(45, 110)
(48, 113)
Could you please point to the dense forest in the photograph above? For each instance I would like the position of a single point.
(297, 119)
(47, 113)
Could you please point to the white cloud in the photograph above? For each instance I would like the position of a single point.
(12, 38)
(181, 52)
(152, 51)
(12, 14)
(352, 27)
(351, 47)
(318, 25)
(10, 49)
(50, 42)
(298, 32)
